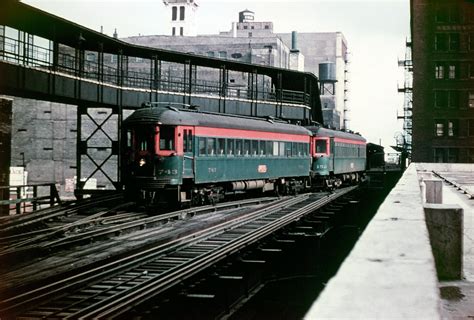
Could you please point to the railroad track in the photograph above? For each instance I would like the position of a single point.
(462, 182)
(33, 223)
(102, 225)
(113, 289)
(90, 243)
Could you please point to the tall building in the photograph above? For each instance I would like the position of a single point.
(326, 55)
(182, 15)
(443, 80)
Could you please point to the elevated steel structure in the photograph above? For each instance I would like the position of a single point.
(405, 140)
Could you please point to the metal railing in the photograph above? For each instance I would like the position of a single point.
(86, 65)
(28, 198)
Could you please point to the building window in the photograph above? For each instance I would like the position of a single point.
(245, 27)
(181, 13)
(470, 155)
(90, 57)
(174, 13)
(181, 31)
(441, 42)
(452, 72)
(470, 128)
(470, 99)
(453, 155)
(441, 15)
(173, 31)
(441, 99)
(453, 99)
(267, 26)
(210, 53)
(439, 128)
(470, 14)
(454, 14)
(471, 41)
(223, 54)
(439, 71)
(439, 155)
(454, 41)
(453, 126)
(445, 13)
(445, 41)
(252, 27)
(250, 34)
(470, 72)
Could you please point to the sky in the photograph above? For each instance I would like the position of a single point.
(375, 31)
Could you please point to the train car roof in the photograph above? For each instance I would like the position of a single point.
(323, 132)
(167, 115)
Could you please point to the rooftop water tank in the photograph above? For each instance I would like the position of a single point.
(327, 71)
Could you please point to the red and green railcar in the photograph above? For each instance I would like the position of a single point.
(175, 155)
(338, 156)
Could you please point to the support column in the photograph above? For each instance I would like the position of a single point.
(5, 150)
(445, 227)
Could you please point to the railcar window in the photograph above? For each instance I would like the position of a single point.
(300, 149)
(246, 147)
(211, 146)
(166, 138)
(230, 147)
(276, 147)
(143, 144)
(269, 147)
(188, 141)
(288, 149)
(129, 138)
(294, 149)
(185, 141)
(202, 146)
(238, 147)
(145, 139)
(254, 147)
(281, 149)
(220, 147)
(263, 148)
(321, 146)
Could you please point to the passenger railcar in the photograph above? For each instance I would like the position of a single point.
(175, 155)
(337, 156)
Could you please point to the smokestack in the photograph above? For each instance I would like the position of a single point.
(115, 33)
(294, 44)
(234, 30)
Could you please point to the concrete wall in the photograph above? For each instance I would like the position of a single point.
(390, 273)
(45, 133)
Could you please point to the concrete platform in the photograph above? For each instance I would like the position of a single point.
(391, 271)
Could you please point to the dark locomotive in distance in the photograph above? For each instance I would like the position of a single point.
(179, 156)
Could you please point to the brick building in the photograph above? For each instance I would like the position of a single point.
(443, 80)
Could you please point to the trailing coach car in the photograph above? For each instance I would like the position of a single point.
(175, 155)
(338, 157)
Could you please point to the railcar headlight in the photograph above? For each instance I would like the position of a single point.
(142, 162)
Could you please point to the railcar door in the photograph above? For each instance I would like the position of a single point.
(188, 154)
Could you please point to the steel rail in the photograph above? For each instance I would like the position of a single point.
(15, 222)
(203, 250)
(57, 288)
(118, 305)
